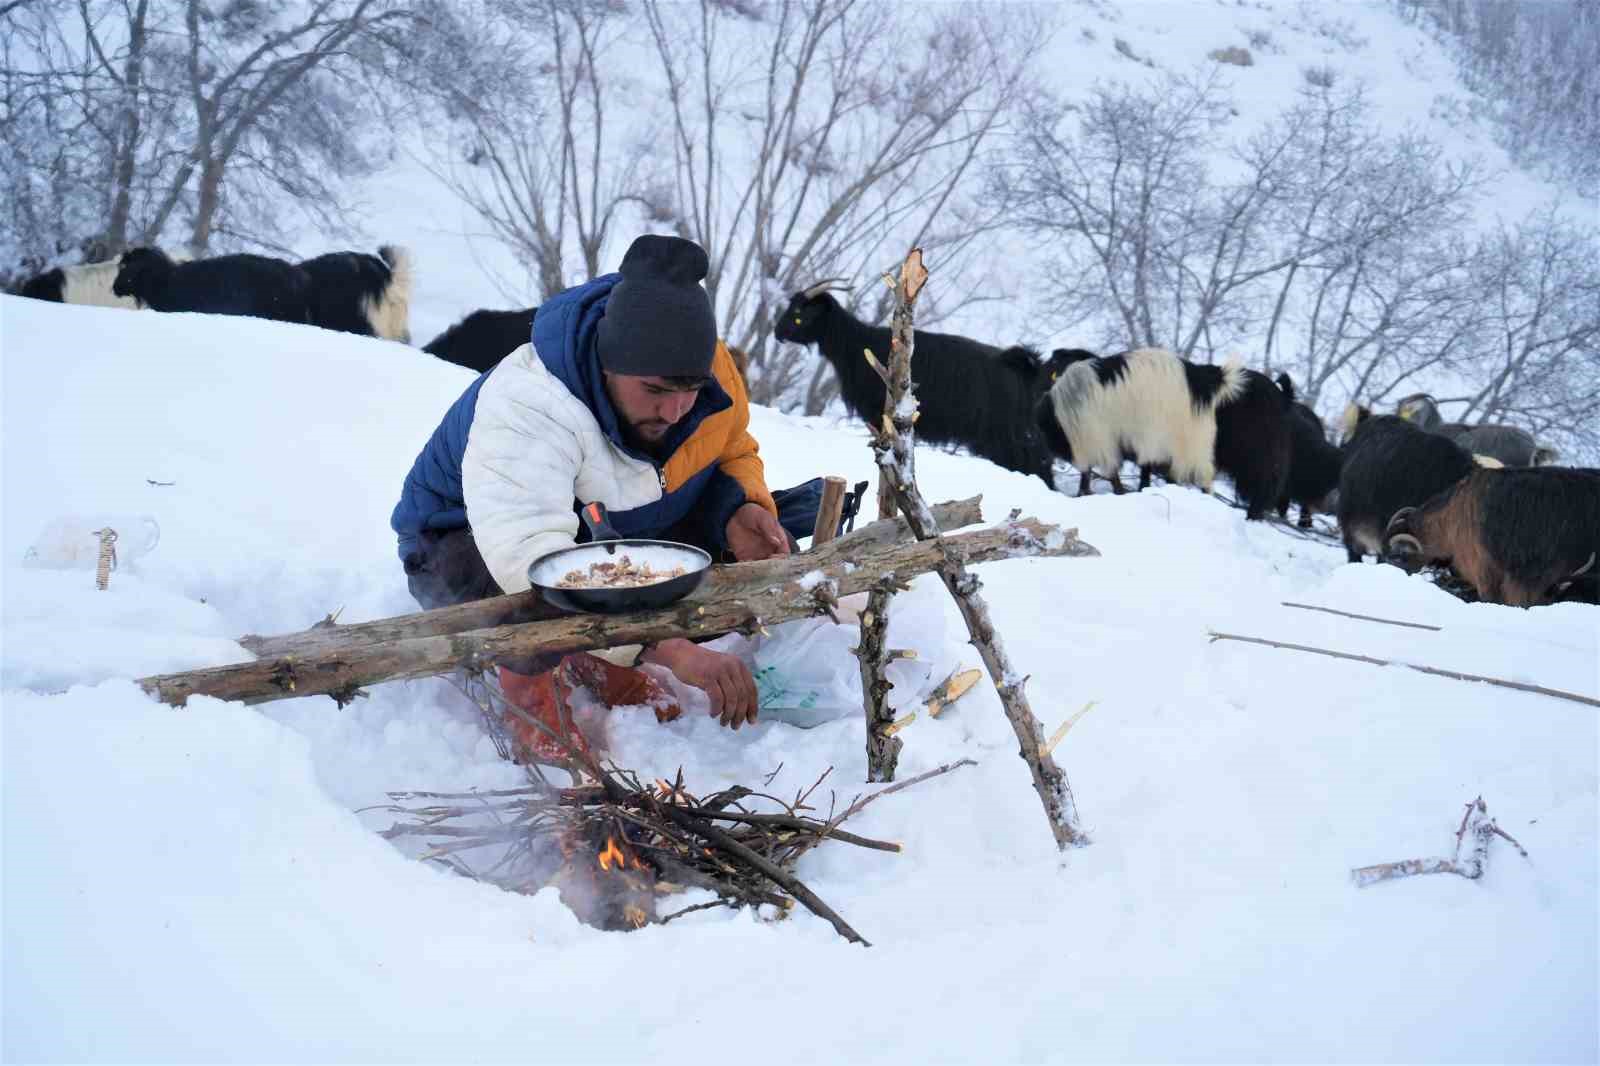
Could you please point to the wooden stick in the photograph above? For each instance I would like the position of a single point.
(883, 747)
(899, 723)
(832, 506)
(772, 870)
(1475, 821)
(1363, 617)
(1452, 674)
(896, 466)
(951, 689)
(774, 590)
(1055, 738)
(722, 582)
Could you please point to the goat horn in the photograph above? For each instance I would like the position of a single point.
(818, 288)
(1406, 543)
(1400, 520)
(1584, 569)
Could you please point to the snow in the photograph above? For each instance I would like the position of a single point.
(207, 884)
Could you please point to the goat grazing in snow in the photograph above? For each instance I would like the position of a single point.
(1147, 405)
(971, 394)
(345, 291)
(1390, 464)
(87, 283)
(479, 341)
(254, 285)
(1519, 536)
(354, 292)
(1314, 464)
(1510, 445)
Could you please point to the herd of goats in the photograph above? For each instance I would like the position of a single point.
(1409, 488)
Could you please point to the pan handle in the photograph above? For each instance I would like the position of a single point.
(596, 522)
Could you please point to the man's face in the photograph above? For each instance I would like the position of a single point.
(649, 406)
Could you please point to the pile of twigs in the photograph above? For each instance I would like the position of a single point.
(613, 844)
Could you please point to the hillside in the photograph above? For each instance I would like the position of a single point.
(208, 885)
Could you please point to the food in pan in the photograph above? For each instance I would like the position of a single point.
(619, 573)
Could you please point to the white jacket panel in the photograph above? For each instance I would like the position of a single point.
(532, 450)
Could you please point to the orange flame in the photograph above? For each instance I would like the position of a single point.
(612, 855)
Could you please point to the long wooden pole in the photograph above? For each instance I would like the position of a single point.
(774, 591)
(722, 582)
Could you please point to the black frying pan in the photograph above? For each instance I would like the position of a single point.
(546, 573)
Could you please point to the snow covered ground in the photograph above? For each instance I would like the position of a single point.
(200, 885)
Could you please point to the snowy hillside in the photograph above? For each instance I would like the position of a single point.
(204, 885)
(461, 267)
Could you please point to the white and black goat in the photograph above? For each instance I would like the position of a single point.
(970, 394)
(345, 291)
(1147, 405)
(479, 341)
(1510, 445)
(254, 285)
(354, 292)
(1518, 535)
(87, 283)
(1390, 464)
(1314, 464)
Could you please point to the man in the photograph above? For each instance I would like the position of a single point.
(624, 396)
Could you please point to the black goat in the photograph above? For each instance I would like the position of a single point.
(254, 285)
(971, 394)
(1390, 464)
(483, 338)
(1510, 445)
(353, 292)
(1314, 464)
(1254, 443)
(1518, 535)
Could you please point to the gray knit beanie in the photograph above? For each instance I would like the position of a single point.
(658, 320)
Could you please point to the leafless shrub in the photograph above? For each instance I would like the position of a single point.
(1239, 57)
(1321, 76)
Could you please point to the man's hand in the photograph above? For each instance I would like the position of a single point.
(753, 533)
(723, 677)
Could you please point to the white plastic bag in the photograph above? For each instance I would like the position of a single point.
(72, 542)
(806, 672)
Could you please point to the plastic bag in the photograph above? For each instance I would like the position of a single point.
(806, 672)
(70, 542)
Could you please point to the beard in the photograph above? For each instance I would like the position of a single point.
(653, 445)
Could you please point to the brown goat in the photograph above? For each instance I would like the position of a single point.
(1516, 534)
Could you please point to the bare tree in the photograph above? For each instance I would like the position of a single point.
(1316, 244)
(1535, 345)
(1534, 71)
(808, 138)
(155, 116)
(542, 156)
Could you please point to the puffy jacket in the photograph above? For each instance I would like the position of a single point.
(531, 439)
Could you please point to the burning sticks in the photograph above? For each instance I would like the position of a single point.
(614, 847)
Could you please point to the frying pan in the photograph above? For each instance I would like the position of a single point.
(546, 573)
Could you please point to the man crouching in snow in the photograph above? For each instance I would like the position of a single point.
(625, 396)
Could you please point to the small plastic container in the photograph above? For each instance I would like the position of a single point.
(72, 542)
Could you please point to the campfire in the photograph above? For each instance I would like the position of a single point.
(615, 846)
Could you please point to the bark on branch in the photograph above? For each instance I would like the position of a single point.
(750, 595)
(893, 450)
(723, 581)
